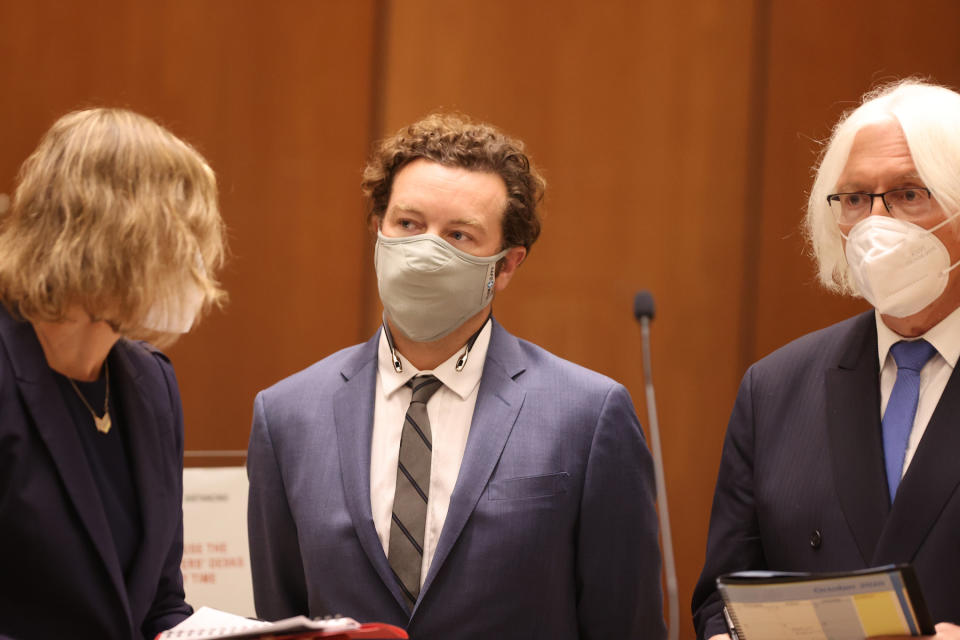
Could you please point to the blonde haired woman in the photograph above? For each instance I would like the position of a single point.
(113, 236)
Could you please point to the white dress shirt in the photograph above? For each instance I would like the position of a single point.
(945, 337)
(450, 410)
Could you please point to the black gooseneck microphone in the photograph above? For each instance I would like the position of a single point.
(643, 311)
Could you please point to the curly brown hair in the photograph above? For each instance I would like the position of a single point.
(453, 140)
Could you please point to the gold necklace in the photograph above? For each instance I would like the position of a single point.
(103, 424)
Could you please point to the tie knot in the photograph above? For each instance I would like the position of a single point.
(912, 354)
(423, 387)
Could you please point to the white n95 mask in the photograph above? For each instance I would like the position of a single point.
(899, 267)
(429, 287)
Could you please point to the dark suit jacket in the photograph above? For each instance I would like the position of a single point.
(802, 485)
(551, 531)
(60, 576)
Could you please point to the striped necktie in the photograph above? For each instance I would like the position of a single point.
(413, 487)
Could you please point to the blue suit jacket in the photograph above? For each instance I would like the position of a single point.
(60, 576)
(551, 530)
(802, 484)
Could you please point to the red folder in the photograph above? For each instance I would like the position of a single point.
(209, 624)
(370, 631)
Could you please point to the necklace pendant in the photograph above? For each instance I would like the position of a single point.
(103, 424)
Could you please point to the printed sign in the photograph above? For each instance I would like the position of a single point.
(216, 559)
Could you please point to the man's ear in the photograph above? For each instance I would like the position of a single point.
(508, 266)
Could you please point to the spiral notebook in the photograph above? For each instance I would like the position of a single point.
(855, 605)
(212, 624)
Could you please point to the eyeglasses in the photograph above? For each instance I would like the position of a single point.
(907, 203)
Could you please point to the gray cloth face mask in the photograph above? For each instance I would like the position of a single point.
(428, 287)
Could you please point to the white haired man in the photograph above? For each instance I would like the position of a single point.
(841, 451)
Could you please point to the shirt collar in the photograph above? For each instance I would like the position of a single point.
(460, 382)
(944, 336)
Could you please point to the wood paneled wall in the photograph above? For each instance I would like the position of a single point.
(676, 138)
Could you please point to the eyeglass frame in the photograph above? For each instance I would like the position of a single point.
(835, 197)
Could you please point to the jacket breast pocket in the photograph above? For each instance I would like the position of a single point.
(528, 487)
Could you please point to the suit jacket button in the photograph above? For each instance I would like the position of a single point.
(815, 539)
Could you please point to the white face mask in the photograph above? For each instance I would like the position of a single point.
(178, 313)
(429, 287)
(899, 267)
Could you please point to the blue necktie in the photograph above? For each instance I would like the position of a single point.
(902, 406)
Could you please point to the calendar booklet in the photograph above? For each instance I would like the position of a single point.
(855, 605)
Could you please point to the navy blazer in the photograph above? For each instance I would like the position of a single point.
(60, 576)
(802, 484)
(551, 531)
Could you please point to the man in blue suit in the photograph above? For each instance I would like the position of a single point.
(446, 476)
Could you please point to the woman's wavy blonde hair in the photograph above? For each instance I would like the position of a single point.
(114, 214)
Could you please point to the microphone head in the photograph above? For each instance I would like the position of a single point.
(643, 305)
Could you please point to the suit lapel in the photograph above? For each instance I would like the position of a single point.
(54, 424)
(853, 427)
(151, 471)
(929, 482)
(353, 415)
(499, 399)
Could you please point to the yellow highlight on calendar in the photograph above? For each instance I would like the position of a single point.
(880, 614)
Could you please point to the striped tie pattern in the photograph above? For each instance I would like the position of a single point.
(413, 488)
